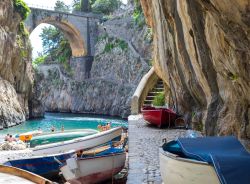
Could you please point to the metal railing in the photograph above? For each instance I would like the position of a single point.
(43, 7)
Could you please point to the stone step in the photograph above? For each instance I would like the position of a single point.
(150, 97)
(154, 93)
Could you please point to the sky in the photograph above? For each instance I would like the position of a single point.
(36, 41)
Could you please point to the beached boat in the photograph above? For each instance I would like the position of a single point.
(204, 160)
(47, 166)
(79, 143)
(60, 136)
(94, 169)
(159, 117)
(13, 175)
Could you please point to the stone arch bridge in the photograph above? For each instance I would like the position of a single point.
(79, 28)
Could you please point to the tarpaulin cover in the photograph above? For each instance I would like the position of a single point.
(229, 158)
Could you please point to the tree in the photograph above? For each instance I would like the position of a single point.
(55, 45)
(105, 6)
(61, 6)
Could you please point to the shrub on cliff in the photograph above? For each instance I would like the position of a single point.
(159, 100)
(21, 8)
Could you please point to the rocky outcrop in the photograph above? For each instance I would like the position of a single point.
(202, 51)
(118, 66)
(15, 67)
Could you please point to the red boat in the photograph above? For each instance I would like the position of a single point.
(159, 116)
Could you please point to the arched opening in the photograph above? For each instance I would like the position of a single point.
(72, 34)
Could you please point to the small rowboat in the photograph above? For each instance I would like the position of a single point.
(46, 166)
(79, 143)
(94, 169)
(159, 117)
(13, 175)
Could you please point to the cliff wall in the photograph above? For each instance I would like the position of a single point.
(15, 67)
(202, 51)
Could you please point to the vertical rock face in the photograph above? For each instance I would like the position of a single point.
(121, 59)
(15, 68)
(202, 51)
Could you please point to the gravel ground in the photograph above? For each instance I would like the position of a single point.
(144, 143)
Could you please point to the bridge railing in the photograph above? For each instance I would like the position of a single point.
(44, 7)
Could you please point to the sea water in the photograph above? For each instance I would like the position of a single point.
(67, 120)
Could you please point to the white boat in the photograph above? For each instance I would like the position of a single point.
(93, 169)
(13, 175)
(78, 143)
(177, 170)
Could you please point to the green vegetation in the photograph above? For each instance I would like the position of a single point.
(39, 60)
(159, 100)
(22, 30)
(233, 76)
(138, 15)
(61, 6)
(99, 6)
(105, 6)
(148, 36)
(21, 8)
(116, 43)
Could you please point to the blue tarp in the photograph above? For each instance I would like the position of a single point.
(229, 158)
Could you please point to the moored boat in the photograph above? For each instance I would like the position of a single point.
(79, 143)
(159, 116)
(204, 160)
(60, 136)
(47, 166)
(13, 175)
(94, 169)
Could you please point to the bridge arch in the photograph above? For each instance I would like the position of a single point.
(76, 28)
(71, 33)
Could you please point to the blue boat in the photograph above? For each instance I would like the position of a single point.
(46, 166)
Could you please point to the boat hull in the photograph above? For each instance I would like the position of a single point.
(45, 166)
(79, 143)
(94, 169)
(179, 170)
(15, 175)
(159, 117)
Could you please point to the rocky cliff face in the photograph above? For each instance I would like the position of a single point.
(202, 51)
(15, 67)
(118, 66)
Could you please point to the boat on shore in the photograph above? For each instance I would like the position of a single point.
(79, 143)
(60, 136)
(94, 169)
(159, 116)
(13, 175)
(206, 160)
(46, 166)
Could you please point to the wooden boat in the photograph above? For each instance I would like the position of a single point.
(159, 116)
(46, 166)
(79, 143)
(13, 175)
(175, 169)
(94, 169)
(60, 136)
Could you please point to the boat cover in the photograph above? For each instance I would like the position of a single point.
(229, 158)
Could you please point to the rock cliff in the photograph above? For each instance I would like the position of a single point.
(121, 59)
(15, 67)
(202, 52)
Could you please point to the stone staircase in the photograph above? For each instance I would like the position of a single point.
(158, 88)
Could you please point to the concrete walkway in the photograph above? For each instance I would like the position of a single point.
(144, 143)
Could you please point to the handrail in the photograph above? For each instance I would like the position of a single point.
(147, 83)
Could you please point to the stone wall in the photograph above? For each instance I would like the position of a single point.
(202, 51)
(15, 68)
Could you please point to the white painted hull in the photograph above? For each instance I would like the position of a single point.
(177, 170)
(94, 170)
(79, 143)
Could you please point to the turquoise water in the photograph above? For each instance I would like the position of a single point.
(69, 121)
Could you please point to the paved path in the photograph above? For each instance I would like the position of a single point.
(144, 143)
